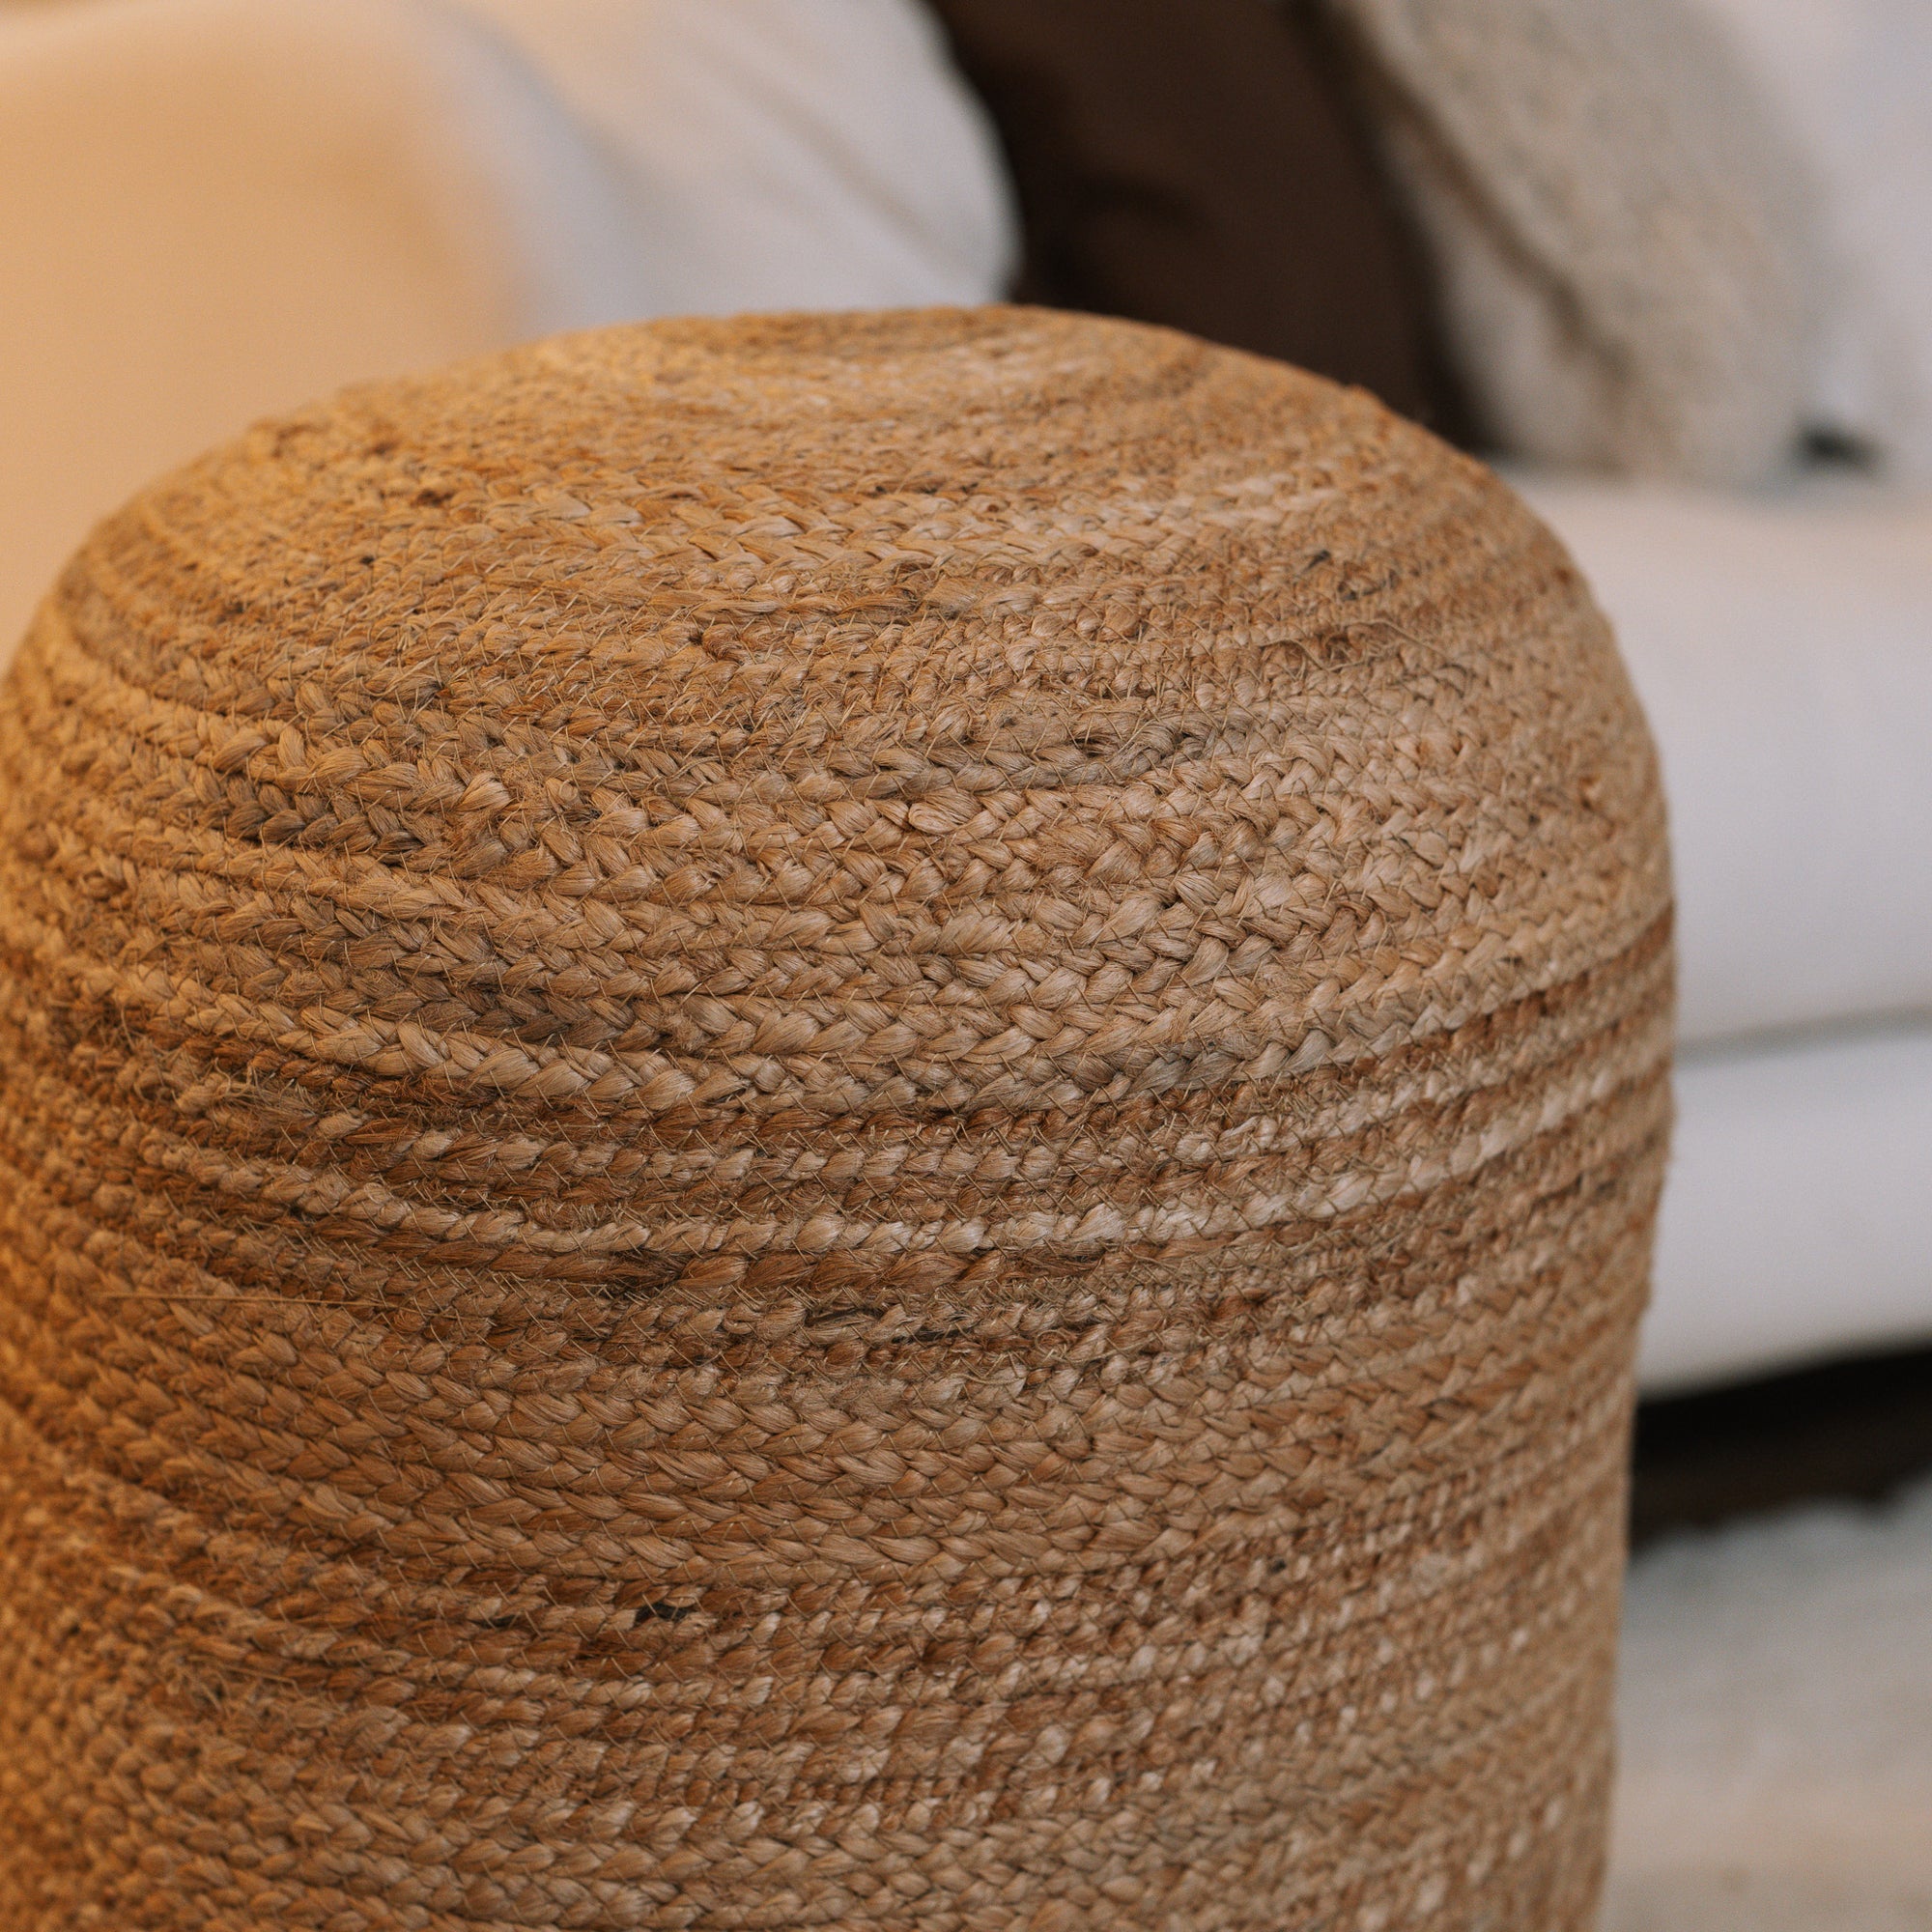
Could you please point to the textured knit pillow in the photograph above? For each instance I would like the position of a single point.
(1626, 238)
(821, 1123)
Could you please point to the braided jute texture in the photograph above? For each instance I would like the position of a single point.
(821, 1123)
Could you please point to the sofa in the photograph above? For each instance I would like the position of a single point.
(212, 211)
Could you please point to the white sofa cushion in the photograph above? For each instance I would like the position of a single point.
(1782, 648)
(1797, 1218)
(782, 154)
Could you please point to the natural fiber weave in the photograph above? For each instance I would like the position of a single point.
(821, 1123)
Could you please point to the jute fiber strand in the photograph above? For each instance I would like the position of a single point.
(821, 1123)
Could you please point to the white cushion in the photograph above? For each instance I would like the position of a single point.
(1797, 1214)
(782, 154)
(1783, 648)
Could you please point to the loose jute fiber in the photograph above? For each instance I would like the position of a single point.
(821, 1123)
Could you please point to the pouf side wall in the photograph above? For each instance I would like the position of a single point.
(821, 1122)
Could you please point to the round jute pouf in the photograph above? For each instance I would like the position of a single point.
(821, 1123)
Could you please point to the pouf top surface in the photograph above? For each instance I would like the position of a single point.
(729, 488)
(794, 718)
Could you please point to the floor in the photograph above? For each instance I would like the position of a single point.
(1777, 1726)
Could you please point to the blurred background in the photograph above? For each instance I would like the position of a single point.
(1668, 262)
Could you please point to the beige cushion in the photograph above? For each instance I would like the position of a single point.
(211, 208)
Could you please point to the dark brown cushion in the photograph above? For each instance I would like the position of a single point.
(1195, 162)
